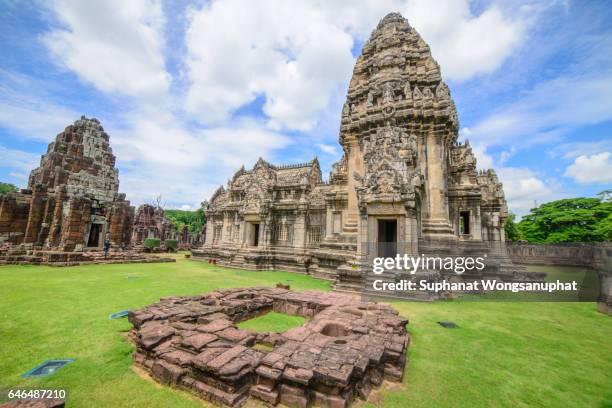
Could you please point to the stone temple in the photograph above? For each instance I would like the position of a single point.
(151, 222)
(72, 202)
(404, 179)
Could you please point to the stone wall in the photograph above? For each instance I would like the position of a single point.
(597, 256)
(571, 254)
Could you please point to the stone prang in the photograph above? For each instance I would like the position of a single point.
(72, 201)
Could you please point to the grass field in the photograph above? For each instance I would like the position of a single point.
(503, 353)
(272, 322)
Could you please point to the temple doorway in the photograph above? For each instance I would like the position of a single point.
(94, 235)
(254, 238)
(464, 223)
(387, 238)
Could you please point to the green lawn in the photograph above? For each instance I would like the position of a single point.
(272, 322)
(502, 354)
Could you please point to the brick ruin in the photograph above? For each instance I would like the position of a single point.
(72, 203)
(151, 222)
(404, 181)
(345, 349)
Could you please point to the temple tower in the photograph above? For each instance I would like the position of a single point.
(72, 201)
(398, 127)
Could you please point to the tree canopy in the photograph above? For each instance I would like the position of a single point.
(194, 220)
(7, 188)
(568, 220)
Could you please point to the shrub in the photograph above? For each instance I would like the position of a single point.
(151, 243)
(171, 245)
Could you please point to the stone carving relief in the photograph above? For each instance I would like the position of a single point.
(390, 158)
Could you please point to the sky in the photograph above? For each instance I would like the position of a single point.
(189, 91)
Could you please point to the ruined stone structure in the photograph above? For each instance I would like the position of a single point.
(347, 348)
(404, 180)
(151, 222)
(188, 239)
(72, 202)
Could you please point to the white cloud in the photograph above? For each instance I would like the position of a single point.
(163, 139)
(524, 189)
(286, 51)
(296, 57)
(596, 168)
(25, 109)
(573, 150)
(162, 155)
(453, 32)
(297, 54)
(37, 120)
(18, 159)
(548, 111)
(113, 44)
(329, 149)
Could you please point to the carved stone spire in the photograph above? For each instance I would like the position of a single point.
(397, 81)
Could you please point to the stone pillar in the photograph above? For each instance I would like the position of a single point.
(436, 183)
(411, 233)
(35, 218)
(224, 237)
(208, 239)
(477, 227)
(299, 229)
(329, 221)
(437, 223)
(354, 165)
(55, 229)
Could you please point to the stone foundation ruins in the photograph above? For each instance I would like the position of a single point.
(404, 181)
(347, 347)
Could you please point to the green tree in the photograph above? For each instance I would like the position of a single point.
(512, 233)
(7, 188)
(194, 220)
(568, 220)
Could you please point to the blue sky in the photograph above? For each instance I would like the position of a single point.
(190, 91)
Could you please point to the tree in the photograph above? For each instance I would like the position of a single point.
(194, 220)
(512, 233)
(158, 202)
(568, 220)
(7, 188)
